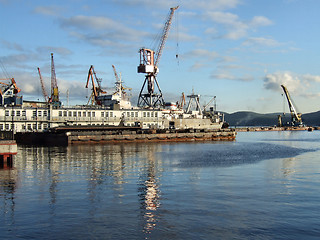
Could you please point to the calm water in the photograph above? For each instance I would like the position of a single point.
(265, 185)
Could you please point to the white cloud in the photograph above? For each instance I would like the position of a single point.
(202, 53)
(235, 28)
(49, 10)
(275, 80)
(261, 41)
(259, 21)
(303, 84)
(101, 29)
(212, 4)
(228, 76)
(187, 4)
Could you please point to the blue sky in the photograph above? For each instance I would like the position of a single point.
(240, 51)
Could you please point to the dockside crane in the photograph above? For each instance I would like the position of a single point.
(149, 60)
(295, 116)
(54, 99)
(44, 92)
(96, 89)
(119, 86)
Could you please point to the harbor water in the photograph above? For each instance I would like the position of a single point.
(264, 185)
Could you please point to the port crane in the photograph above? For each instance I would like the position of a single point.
(149, 60)
(8, 91)
(119, 86)
(295, 116)
(54, 99)
(96, 89)
(44, 92)
(181, 102)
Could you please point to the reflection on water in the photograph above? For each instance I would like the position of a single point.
(175, 190)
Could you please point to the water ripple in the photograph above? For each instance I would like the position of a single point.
(235, 154)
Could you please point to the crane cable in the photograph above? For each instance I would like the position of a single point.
(177, 36)
(4, 70)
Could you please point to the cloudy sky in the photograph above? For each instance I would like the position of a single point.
(240, 51)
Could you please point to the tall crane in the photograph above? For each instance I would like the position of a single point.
(295, 117)
(44, 92)
(96, 90)
(54, 99)
(149, 60)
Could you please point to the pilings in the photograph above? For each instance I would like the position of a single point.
(8, 148)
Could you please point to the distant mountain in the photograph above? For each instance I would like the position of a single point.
(269, 119)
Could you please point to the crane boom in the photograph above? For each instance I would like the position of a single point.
(295, 117)
(96, 90)
(44, 92)
(54, 86)
(164, 35)
(115, 73)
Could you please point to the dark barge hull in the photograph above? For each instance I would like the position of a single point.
(64, 138)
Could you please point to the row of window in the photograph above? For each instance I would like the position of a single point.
(29, 126)
(22, 113)
(39, 113)
(103, 114)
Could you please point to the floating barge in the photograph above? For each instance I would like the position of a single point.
(103, 135)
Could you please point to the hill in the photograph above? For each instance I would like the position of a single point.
(245, 118)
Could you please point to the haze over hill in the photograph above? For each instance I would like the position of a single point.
(245, 118)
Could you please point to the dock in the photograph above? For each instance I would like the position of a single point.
(260, 129)
(65, 137)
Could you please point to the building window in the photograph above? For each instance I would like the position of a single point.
(151, 114)
(1, 126)
(7, 113)
(136, 114)
(93, 114)
(45, 113)
(102, 114)
(39, 113)
(107, 114)
(34, 126)
(128, 114)
(70, 114)
(111, 114)
(148, 114)
(74, 114)
(34, 113)
(12, 113)
(60, 113)
(79, 114)
(89, 114)
(84, 114)
(29, 126)
(7, 126)
(156, 114)
(18, 113)
(24, 113)
(144, 114)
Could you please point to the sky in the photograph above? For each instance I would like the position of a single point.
(240, 51)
